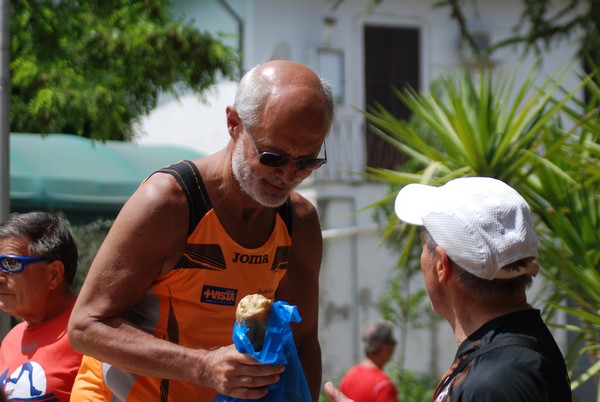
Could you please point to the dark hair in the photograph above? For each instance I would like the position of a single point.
(484, 287)
(376, 335)
(49, 237)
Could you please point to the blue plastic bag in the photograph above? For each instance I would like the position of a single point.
(278, 348)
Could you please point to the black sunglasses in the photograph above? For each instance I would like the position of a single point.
(16, 263)
(273, 159)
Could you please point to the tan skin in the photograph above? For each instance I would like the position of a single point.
(464, 310)
(132, 256)
(335, 394)
(39, 293)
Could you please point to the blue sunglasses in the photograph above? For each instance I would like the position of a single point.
(16, 263)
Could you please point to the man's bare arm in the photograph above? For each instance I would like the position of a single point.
(146, 240)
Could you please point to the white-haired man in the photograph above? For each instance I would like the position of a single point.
(157, 309)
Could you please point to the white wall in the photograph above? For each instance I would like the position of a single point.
(189, 122)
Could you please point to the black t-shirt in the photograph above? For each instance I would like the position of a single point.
(510, 373)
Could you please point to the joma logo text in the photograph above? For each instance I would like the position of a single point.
(251, 259)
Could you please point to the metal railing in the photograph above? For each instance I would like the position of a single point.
(346, 149)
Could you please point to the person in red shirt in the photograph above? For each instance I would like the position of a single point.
(367, 382)
(38, 261)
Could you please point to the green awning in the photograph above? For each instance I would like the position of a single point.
(71, 173)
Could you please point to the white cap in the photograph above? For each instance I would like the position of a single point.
(481, 223)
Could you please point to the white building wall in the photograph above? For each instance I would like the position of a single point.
(356, 268)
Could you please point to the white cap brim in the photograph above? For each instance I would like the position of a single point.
(414, 201)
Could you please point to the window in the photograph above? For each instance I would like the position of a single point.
(392, 60)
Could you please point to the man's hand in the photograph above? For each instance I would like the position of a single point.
(335, 394)
(238, 375)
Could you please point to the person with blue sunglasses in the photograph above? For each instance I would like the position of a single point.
(38, 262)
(156, 312)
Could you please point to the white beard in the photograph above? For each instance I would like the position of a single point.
(251, 184)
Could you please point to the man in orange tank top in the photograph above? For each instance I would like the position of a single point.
(155, 314)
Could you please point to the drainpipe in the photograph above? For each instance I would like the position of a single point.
(4, 108)
(5, 321)
(240, 24)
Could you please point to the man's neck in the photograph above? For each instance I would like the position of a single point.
(374, 361)
(56, 305)
(468, 318)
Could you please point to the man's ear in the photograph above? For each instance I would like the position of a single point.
(442, 264)
(56, 273)
(233, 121)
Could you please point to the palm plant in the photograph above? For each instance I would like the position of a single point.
(571, 246)
(474, 124)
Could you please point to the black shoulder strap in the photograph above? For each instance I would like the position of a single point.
(187, 175)
(507, 341)
(285, 211)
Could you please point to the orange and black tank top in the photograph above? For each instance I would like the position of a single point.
(194, 304)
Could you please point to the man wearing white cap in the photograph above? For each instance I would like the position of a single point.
(479, 245)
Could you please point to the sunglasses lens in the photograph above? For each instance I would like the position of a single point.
(309, 163)
(11, 264)
(273, 160)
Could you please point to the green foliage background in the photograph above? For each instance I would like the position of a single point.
(89, 238)
(93, 68)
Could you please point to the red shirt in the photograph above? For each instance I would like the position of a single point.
(368, 384)
(38, 363)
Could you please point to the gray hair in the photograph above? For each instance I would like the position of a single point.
(49, 236)
(484, 287)
(254, 89)
(376, 335)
